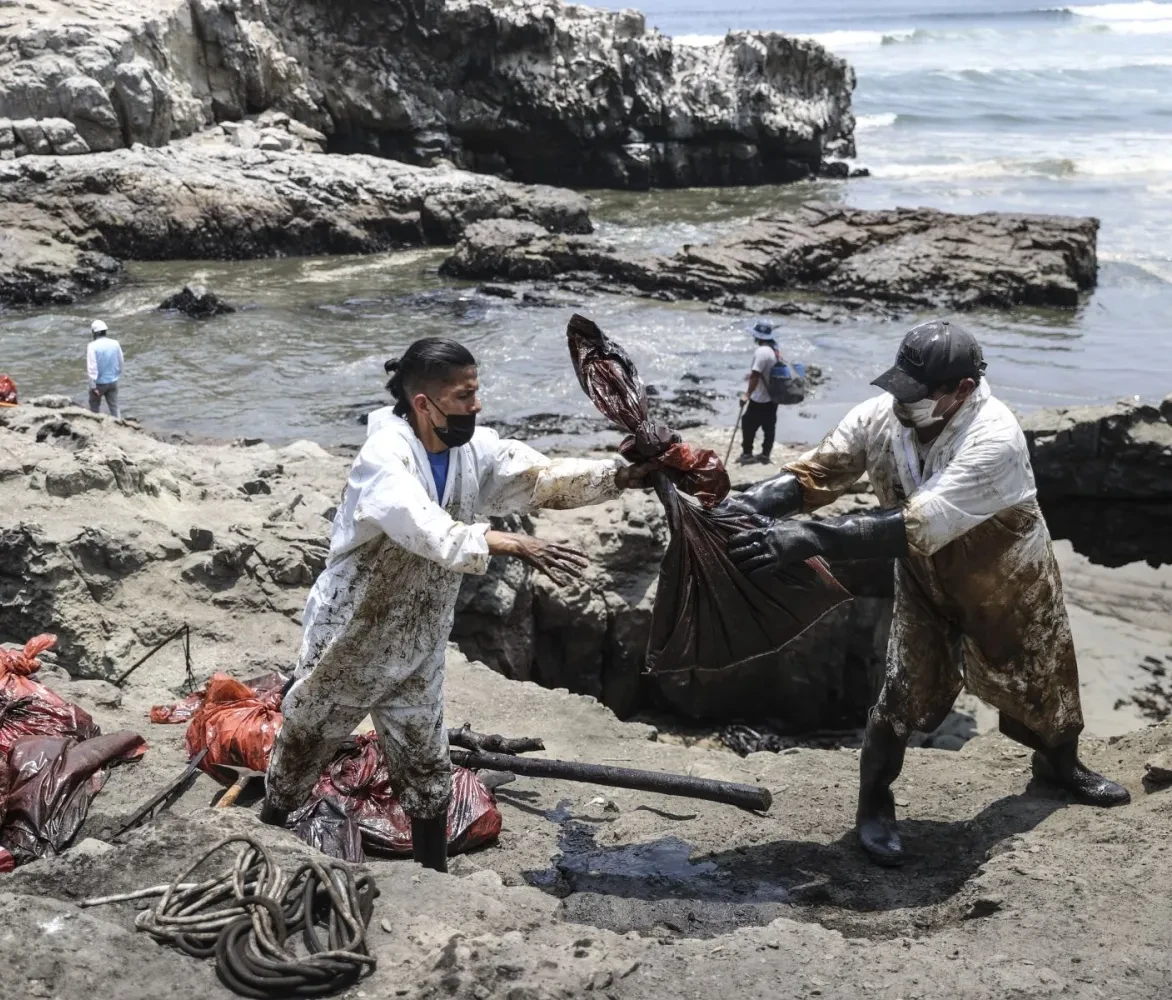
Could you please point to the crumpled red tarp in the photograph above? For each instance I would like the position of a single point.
(708, 616)
(31, 709)
(352, 810)
(235, 723)
(53, 760)
(183, 710)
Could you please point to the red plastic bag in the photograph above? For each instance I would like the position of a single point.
(708, 616)
(353, 810)
(24, 661)
(236, 725)
(7, 391)
(28, 708)
(182, 711)
(51, 782)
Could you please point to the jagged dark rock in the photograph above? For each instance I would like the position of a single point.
(1104, 477)
(197, 302)
(538, 91)
(904, 258)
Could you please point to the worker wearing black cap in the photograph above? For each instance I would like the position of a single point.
(978, 597)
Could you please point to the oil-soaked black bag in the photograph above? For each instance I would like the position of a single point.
(708, 616)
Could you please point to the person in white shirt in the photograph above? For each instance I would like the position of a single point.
(978, 596)
(760, 409)
(103, 363)
(411, 523)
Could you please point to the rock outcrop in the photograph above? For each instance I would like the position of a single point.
(1104, 477)
(197, 302)
(67, 222)
(902, 258)
(533, 89)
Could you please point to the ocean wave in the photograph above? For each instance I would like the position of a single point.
(1058, 167)
(1146, 10)
(868, 122)
(853, 41)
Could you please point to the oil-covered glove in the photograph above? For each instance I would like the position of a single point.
(873, 535)
(780, 496)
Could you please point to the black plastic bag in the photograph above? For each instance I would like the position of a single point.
(708, 616)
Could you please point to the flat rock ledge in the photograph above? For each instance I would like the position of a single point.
(902, 258)
(67, 222)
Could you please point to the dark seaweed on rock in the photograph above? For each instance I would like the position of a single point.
(708, 615)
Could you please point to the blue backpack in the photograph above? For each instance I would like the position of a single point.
(787, 383)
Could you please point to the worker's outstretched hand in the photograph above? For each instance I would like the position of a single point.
(561, 563)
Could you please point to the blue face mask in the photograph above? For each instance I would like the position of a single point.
(461, 427)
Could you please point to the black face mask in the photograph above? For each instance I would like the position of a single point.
(461, 427)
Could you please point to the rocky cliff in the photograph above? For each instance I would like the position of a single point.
(533, 89)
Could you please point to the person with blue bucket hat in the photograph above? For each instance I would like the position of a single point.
(771, 382)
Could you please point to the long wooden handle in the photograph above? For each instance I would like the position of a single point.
(733, 440)
(231, 795)
(733, 794)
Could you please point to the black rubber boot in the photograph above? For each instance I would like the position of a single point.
(880, 762)
(429, 842)
(272, 816)
(1060, 765)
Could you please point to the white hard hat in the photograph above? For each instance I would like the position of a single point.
(97, 326)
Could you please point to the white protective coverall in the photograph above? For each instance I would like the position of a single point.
(378, 619)
(978, 600)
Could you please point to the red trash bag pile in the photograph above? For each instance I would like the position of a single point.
(236, 723)
(185, 709)
(53, 760)
(352, 810)
(708, 616)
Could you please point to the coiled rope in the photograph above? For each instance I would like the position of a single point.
(248, 916)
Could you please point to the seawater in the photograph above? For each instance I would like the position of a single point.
(993, 105)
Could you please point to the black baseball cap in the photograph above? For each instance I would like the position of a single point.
(932, 354)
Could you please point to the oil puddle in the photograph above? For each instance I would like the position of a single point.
(656, 887)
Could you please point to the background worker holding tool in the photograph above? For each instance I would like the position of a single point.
(978, 598)
(759, 407)
(378, 619)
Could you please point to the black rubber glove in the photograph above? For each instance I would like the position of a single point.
(874, 535)
(780, 496)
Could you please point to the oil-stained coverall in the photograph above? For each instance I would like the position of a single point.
(378, 619)
(978, 598)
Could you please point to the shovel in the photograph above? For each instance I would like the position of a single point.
(240, 776)
(733, 440)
